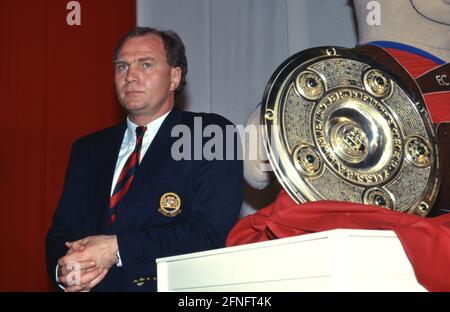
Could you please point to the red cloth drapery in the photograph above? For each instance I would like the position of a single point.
(426, 241)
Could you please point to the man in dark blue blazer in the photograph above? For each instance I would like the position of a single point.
(139, 191)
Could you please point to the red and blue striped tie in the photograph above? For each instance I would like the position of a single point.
(126, 175)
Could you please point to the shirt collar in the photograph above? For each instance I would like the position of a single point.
(152, 127)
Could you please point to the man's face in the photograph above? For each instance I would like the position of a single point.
(145, 82)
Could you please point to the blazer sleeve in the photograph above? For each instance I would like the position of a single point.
(66, 215)
(217, 199)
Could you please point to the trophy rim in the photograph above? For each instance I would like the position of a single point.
(282, 78)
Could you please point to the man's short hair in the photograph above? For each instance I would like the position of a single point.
(175, 50)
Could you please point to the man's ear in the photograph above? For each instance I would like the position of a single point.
(175, 78)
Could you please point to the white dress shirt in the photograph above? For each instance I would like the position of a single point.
(129, 142)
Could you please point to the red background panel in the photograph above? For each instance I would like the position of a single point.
(56, 84)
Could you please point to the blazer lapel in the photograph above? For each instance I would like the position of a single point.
(106, 164)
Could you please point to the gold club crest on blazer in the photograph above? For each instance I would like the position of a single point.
(170, 204)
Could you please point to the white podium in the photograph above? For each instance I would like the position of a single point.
(337, 260)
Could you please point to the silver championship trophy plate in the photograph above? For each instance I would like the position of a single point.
(340, 125)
